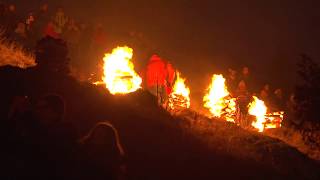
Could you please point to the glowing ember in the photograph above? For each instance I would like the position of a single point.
(179, 98)
(274, 120)
(218, 99)
(258, 109)
(231, 109)
(119, 75)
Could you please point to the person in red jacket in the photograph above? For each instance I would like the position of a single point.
(156, 73)
(159, 77)
(50, 30)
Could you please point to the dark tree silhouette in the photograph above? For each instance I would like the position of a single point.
(307, 95)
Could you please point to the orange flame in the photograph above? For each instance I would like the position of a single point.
(119, 75)
(180, 95)
(218, 100)
(264, 120)
(274, 119)
(258, 109)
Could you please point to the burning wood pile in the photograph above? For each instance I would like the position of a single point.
(179, 98)
(219, 101)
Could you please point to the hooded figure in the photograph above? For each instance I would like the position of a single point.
(103, 152)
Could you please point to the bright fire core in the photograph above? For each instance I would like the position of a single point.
(119, 75)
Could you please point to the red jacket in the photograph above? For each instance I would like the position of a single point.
(156, 73)
(50, 31)
(159, 72)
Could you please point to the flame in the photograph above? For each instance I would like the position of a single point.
(231, 109)
(13, 54)
(180, 95)
(119, 75)
(258, 109)
(274, 119)
(218, 100)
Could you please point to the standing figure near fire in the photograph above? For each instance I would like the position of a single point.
(60, 19)
(20, 33)
(245, 77)
(265, 94)
(232, 80)
(243, 99)
(159, 77)
(42, 19)
(278, 103)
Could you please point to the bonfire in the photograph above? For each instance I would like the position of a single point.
(218, 99)
(179, 98)
(258, 109)
(264, 120)
(119, 74)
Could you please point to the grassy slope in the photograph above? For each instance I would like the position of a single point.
(13, 54)
(160, 146)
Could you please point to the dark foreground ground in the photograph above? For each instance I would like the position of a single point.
(190, 146)
(187, 146)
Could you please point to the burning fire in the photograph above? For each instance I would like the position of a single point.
(273, 120)
(264, 120)
(258, 109)
(119, 75)
(218, 99)
(231, 109)
(180, 94)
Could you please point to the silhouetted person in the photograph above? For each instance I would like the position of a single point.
(232, 80)
(11, 79)
(52, 68)
(21, 33)
(60, 19)
(50, 31)
(20, 109)
(72, 36)
(104, 152)
(245, 77)
(12, 131)
(49, 142)
(42, 19)
(242, 89)
(11, 19)
(52, 55)
(243, 99)
(265, 94)
(278, 100)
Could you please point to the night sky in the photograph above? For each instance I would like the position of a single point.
(205, 37)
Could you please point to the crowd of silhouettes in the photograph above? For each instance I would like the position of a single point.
(241, 85)
(89, 38)
(38, 109)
